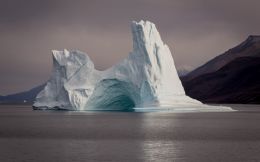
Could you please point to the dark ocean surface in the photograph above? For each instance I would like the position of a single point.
(61, 136)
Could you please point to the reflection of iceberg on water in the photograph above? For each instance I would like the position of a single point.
(146, 80)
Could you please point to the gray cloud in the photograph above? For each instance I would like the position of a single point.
(195, 30)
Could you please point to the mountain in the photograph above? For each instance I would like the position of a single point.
(184, 70)
(232, 77)
(236, 82)
(21, 97)
(249, 48)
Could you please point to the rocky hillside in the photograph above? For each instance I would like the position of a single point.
(233, 77)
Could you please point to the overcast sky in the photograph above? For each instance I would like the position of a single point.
(195, 30)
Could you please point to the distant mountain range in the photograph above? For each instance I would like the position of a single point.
(232, 77)
(184, 70)
(249, 48)
(22, 97)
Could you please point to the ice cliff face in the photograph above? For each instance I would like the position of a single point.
(146, 78)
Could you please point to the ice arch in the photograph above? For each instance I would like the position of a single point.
(113, 94)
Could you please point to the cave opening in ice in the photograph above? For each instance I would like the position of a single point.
(113, 94)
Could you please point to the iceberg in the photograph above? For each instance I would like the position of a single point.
(146, 79)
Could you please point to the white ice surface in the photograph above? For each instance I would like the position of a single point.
(146, 78)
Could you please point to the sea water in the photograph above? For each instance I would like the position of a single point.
(65, 136)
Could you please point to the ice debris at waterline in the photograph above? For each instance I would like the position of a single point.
(147, 78)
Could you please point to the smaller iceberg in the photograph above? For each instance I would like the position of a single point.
(146, 80)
